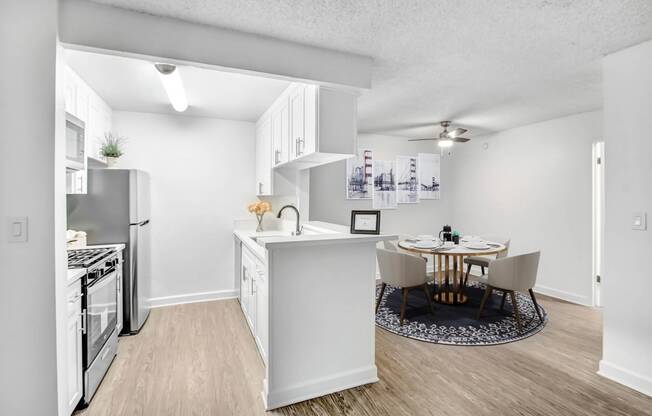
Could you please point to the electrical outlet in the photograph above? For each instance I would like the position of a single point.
(639, 221)
(17, 229)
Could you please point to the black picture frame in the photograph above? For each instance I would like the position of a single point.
(355, 213)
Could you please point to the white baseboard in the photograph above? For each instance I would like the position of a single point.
(319, 387)
(626, 377)
(560, 294)
(192, 298)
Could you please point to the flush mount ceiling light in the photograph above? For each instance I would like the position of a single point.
(447, 138)
(173, 86)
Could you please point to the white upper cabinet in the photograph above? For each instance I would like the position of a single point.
(310, 126)
(297, 122)
(263, 157)
(84, 103)
(280, 116)
(98, 125)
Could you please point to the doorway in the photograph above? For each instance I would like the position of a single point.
(598, 219)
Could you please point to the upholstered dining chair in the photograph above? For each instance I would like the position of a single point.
(403, 271)
(393, 244)
(510, 275)
(483, 262)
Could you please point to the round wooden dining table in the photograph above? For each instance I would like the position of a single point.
(448, 262)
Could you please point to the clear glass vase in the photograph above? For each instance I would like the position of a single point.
(259, 217)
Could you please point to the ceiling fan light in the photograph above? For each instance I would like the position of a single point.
(445, 143)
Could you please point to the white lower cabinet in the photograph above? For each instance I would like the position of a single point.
(260, 296)
(254, 298)
(74, 366)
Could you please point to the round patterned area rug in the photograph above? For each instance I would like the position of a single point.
(457, 324)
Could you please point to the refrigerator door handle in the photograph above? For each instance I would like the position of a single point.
(140, 224)
(133, 290)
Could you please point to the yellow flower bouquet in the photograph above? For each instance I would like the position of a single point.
(259, 208)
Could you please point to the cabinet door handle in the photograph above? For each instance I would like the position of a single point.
(300, 145)
(83, 316)
(276, 155)
(260, 187)
(253, 287)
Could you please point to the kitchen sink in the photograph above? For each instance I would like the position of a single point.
(260, 239)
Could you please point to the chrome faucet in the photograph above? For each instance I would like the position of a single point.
(299, 227)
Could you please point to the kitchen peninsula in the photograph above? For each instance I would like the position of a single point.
(309, 302)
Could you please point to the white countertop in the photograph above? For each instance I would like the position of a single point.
(314, 233)
(118, 246)
(75, 274)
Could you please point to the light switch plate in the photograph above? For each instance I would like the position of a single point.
(17, 229)
(639, 221)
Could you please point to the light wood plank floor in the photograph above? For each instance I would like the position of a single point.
(199, 359)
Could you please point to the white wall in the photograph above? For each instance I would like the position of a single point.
(32, 185)
(328, 196)
(627, 341)
(534, 185)
(202, 179)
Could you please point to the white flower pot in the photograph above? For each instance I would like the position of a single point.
(111, 161)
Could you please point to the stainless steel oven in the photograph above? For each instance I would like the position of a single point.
(101, 313)
(100, 308)
(75, 142)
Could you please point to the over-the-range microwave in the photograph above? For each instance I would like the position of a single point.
(75, 143)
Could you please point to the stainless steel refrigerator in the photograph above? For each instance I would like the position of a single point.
(116, 210)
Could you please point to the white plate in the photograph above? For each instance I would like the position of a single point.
(424, 244)
(478, 246)
(425, 237)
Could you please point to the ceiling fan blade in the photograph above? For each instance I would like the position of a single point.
(457, 132)
(420, 140)
(460, 139)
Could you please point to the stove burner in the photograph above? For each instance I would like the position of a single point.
(86, 257)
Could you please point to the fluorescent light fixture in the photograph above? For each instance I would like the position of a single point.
(173, 86)
(445, 143)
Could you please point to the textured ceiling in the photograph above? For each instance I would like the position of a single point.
(133, 85)
(486, 64)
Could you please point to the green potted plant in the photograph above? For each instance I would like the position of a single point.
(111, 148)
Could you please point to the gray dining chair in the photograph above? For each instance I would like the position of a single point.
(510, 275)
(403, 271)
(483, 262)
(393, 244)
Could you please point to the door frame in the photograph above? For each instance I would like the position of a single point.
(597, 219)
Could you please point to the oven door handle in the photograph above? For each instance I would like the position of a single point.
(83, 326)
(101, 282)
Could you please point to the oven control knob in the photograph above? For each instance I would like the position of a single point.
(93, 275)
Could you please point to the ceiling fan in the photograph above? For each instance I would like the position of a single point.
(446, 138)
